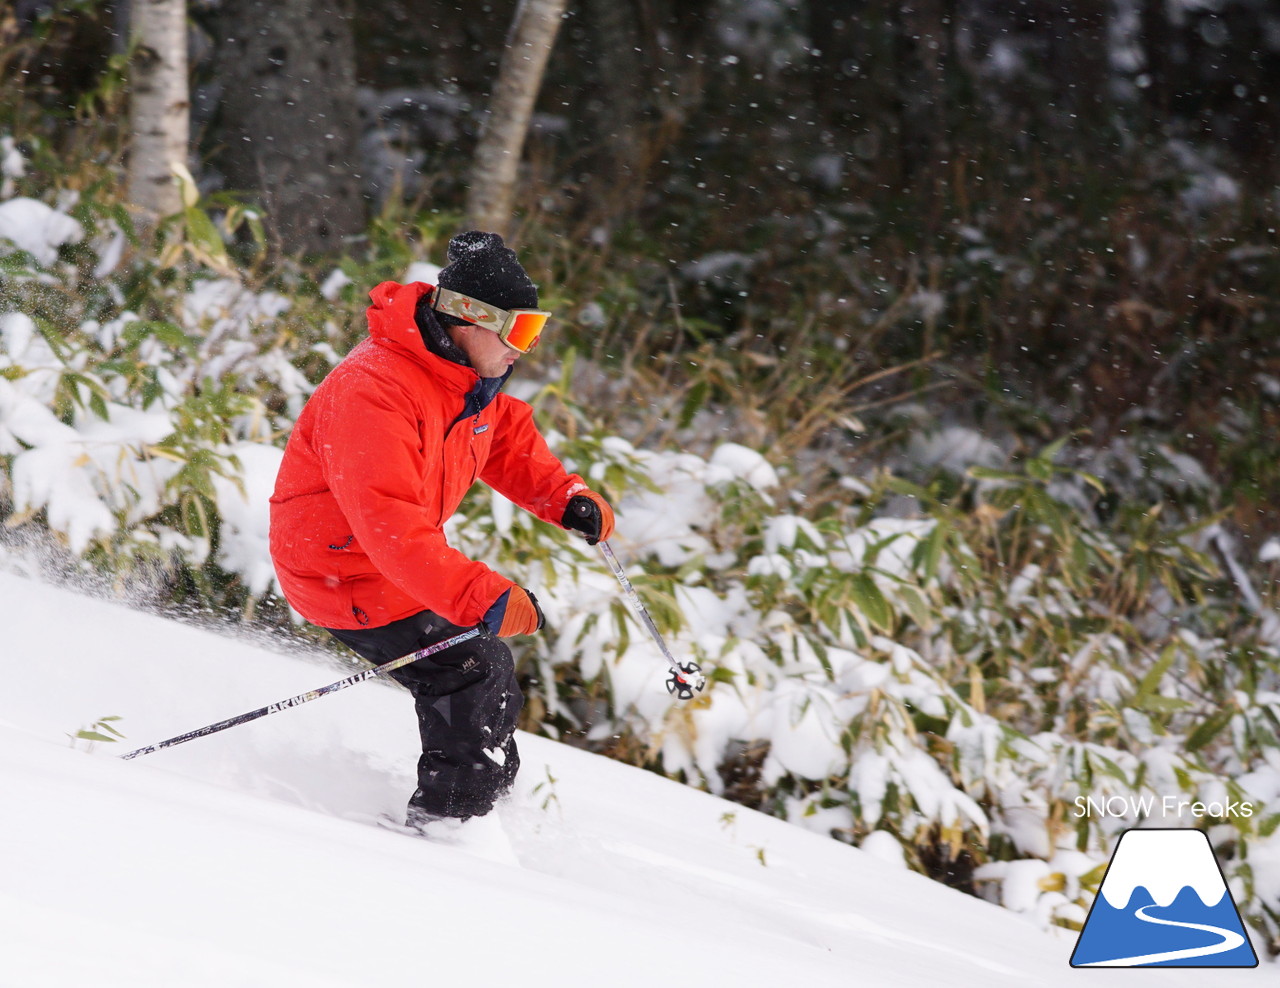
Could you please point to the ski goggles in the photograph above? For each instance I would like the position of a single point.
(519, 329)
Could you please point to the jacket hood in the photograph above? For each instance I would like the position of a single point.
(392, 324)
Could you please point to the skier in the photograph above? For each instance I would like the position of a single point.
(380, 458)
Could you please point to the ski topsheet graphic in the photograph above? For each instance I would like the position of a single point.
(1163, 903)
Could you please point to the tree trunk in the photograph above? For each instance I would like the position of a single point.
(841, 37)
(1157, 41)
(614, 104)
(924, 63)
(1080, 64)
(491, 198)
(856, 87)
(289, 122)
(159, 106)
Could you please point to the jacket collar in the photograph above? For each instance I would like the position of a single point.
(392, 325)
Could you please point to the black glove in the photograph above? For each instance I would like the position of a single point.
(589, 514)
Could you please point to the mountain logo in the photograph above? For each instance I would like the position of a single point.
(1163, 903)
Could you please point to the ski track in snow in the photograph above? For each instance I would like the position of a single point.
(252, 857)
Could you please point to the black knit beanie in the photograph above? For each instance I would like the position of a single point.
(485, 268)
(482, 266)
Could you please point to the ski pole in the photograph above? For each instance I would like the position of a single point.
(685, 679)
(341, 684)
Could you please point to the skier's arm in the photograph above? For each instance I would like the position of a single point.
(522, 468)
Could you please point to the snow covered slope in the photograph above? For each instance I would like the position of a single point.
(249, 857)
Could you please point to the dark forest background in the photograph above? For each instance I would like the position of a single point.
(1065, 207)
(1058, 217)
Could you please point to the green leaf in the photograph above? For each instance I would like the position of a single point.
(693, 401)
(904, 487)
(928, 553)
(1044, 509)
(1050, 452)
(1109, 767)
(989, 473)
(917, 605)
(871, 601)
(1209, 729)
(166, 332)
(1151, 681)
(1092, 879)
(187, 184)
(98, 406)
(93, 736)
(1041, 470)
(204, 235)
(1091, 480)
(1161, 704)
(872, 553)
(621, 616)
(820, 650)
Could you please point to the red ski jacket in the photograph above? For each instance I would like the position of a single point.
(377, 463)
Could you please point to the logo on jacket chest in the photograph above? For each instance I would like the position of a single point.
(479, 429)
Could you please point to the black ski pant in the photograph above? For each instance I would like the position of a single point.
(468, 702)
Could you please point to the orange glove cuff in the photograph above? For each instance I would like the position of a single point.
(522, 616)
(606, 515)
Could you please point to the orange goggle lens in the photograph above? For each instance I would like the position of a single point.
(523, 328)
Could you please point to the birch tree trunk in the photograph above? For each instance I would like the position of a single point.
(491, 198)
(159, 105)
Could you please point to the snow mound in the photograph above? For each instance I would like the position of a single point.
(38, 229)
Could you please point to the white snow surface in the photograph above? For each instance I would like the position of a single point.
(250, 857)
(38, 229)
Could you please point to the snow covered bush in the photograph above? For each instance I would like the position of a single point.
(131, 382)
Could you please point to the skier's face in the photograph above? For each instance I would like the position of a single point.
(485, 349)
